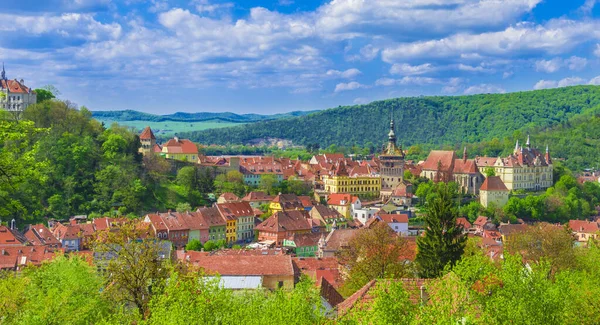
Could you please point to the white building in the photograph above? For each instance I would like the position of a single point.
(398, 222)
(362, 214)
(16, 96)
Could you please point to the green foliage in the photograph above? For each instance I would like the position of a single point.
(43, 94)
(193, 245)
(490, 171)
(443, 242)
(233, 182)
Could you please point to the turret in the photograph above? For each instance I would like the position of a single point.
(465, 154)
(547, 156)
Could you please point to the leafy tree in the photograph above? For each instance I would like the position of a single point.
(443, 242)
(134, 267)
(193, 245)
(43, 94)
(374, 253)
(268, 183)
(490, 171)
(210, 246)
(183, 207)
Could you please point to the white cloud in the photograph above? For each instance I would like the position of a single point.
(570, 81)
(348, 86)
(588, 6)
(68, 25)
(576, 63)
(597, 50)
(453, 86)
(286, 2)
(407, 69)
(545, 84)
(205, 6)
(548, 66)
(361, 100)
(407, 80)
(595, 81)
(348, 74)
(469, 68)
(557, 36)
(385, 82)
(484, 89)
(507, 74)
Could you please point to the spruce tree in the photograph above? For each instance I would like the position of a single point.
(443, 242)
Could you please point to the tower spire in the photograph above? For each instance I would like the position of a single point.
(3, 76)
(517, 146)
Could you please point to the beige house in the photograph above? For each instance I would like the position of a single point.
(493, 191)
(583, 230)
(525, 169)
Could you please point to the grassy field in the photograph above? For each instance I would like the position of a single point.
(169, 128)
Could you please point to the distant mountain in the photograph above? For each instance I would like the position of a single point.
(420, 120)
(131, 115)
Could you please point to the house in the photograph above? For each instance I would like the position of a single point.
(493, 191)
(479, 224)
(464, 223)
(286, 202)
(228, 197)
(178, 229)
(330, 297)
(360, 213)
(256, 199)
(304, 244)
(358, 180)
(362, 299)
(254, 168)
(329, 216)
(158, 226)
(525, 168)
(282, 225)
(68, 235)
(507, 230)
(216, 224)
(148, 142)
(273, 271)
(445, 166)
(342, 202)
(39, 235)
(180, 149)
(398, 222)
(318, 268)
(198, 227)
(16, 258)
(583, 230)
(335, 241)
(16, 96)
(402, 195)
(11, 237)
(307, 202)
(243, 214)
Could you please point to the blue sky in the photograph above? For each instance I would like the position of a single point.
(163, 56)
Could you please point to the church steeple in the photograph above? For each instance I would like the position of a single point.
(392, 149)
(3, 76)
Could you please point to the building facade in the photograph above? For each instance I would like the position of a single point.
(342, 180)
(16, 96)
(180, 149)
(493, 191)
(391, 165)
(525, 169)
(445, 166)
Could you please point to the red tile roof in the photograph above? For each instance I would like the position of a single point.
(257, 196)
(329, 293)
(317, 268)
(306, 201)
(212, 216)
(463, 222)
(14, 86)
(238, 209)
(394, 218)
(184, 146)
(583, 226)
(9, 237)
(246, 265)
(493, 183)
(481, 221)
(337, 198)
(147, 134)
(229, 197)
(295, 220)
(326, 212)
(289, 201)
(446, 158)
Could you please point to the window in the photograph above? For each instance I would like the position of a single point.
(280, 284)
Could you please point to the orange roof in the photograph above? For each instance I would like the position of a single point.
(237, 209)
(11, 237)
(463, 222)
(14, 86)
(337, 198)
(245, 264)
(394, 218)
(39, 235)
(583, 226)
(229, 197)
(257, 196)
(446, 158)
(467, 166)
(294, 220)
(184, 146)
(493, 183)
(147, 134)
(481, 221)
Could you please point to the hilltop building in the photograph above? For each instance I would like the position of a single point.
(180, 149)
(17, 96)
(391, 165)
(148, 141)
(493, 191)
(526, 168)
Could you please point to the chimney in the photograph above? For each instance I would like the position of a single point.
(13, 224)
(73, 221)
(22, 82)
(176, 139)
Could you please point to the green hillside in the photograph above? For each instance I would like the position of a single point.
(421, 120)
(131, 115)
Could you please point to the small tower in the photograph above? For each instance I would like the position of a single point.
(528, 144)
(547, 156)
(148, 141)
(465, 154)
(391, 164)
(517, 146)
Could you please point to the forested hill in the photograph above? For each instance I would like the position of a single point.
(131, 115)
(432, 120)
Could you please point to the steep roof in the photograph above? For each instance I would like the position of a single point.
(195, 220)
(147, 134)
(340, 238)
(317, 268)
(337, 198)
(512, 229)
(294, 220)
(326, 212)
(14, 86)
(462, 166)
(257, 196)
(445, 157)
(394, 218)
(583, 226)
(493, 183)
(463, 222)
(289, 201)
(481, 221)
(329, 293)
(237, 209)
(212, 216)
(246, 264)
(229, 197)
(181, 146)
(11, 237)
(39, 235)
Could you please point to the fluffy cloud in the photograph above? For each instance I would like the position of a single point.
(555, 64)
(484, 89)
(557, 36)
(407, 69)
(570, 81)
(597, 50)
(68, 25)
(595, 81)
(348, 86)
(348, 74)
(360, 101)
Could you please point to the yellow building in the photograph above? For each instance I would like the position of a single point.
(231, 229)
(342, 203)
(359, 181)
(286, 202)
(525, 169)
(180, 149)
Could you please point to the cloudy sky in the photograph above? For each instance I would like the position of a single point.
(163, 56)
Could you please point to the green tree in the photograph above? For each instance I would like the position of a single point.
(443, 242)
(490, 171)
(43, 94)
(183, 207)
(193, 245)
(268, 183)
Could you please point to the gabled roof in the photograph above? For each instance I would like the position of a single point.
(237, 209)
(306, 201)
(14, 86)
(39, 235)
(337, 198)
(462, 166)
(308, 239)
(340, 238)
(181, 146)
(67, 232)
(147, 134)
(212, 216)
(257, 196)
(157, 222)
(260, 265)
(583, 226)
(329, 293)
(326, 212)
(481, 221)
(394, 218)
(463, 222)
(195, 220)
(445, 157)
(289, 201)
(9, 237)
(493, 183)
(512, 229)
(295, 220)
(229, 197)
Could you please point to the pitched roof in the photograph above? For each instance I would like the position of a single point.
(481, 221)
(39, 235)
(67, 232)
(257, 196)
(147, 134)
(317, 268)
(308, 239)
(184, 146)
(237, 209)
(337, 198)
(306, 201)
(326, 212)
(445, 157)
(463, 222)
(583, 226)
(493, 183)
(394, 218)
(157, 222)
(212, 216)
(195, 220)
(229, 197)
(512, 229)
(11, 237)
(260, 265)
(462, 166)
(340, 238)
(329, 293)
(14, 86)
(289, 201)
(294, 220)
